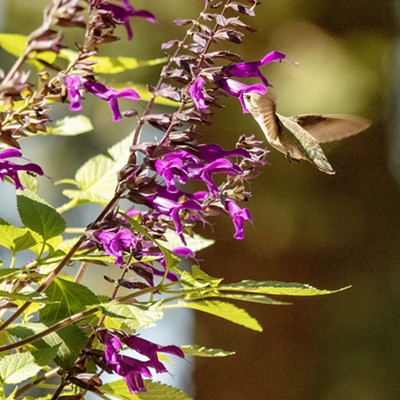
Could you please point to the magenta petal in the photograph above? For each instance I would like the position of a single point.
(127, 93)
(147, 15)
(273, 56)
(7, 153)
(238, 215)
(116, 114)
(195, 92)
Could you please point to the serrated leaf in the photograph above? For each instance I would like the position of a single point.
(44, 356)
(71, 298)
(70, 126)
(277, 288)
(224, 310)
(96, 180)
(195, 243)
(154, 391)
(200, 351)
(39, 216)
(28, 181)
(15, 368)
(135, 316)
(17, 239)
(67, 341)
(32, 297)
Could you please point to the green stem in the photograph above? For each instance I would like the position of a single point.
(59, 325)
(63, 262)
(67, 206)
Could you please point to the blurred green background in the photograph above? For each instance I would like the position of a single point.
(328, 231)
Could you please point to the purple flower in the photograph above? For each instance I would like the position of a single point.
(10, 169)
(251, 69)
(150, 350)
(111, 95)
(131, 369)
(181, 165)
(171, 204)
(220, 166)
(74, 86)
(237, 89)
(196, 93)
(122, 14)
(117, 243)
(211, 152)
(239, 215)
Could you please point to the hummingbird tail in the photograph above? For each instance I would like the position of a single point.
(323, 165)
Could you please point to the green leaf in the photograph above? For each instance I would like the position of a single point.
(200, 351)
(252, 298)
(28, 181)
(70, 298)
(277, 288)
(154, 391)
(145, 95)
(39, 216)
(96, 180)
(44, 356)
(32, 297)
(15, 44)
(70, 126)
(68, 341)
(17, 239)
(135, 316)
(224, 310)
(15, 368)
(113, 65)
(195, 242)
(7, 272)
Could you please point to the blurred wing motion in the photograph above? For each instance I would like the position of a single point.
(327, 128)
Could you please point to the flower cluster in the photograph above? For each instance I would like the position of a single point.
(172, 184)
(76, 86)
(10, 169)
(132, 369)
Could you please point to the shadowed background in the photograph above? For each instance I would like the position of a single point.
(328, 231)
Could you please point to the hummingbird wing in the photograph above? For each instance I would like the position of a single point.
(330, 127)
(267, 117)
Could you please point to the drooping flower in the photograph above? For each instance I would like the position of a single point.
(237, 89)
(116, 243)
(74, 86)
(239, 215)
(10, 169)
(208, 161)
(251, 69)
(122, 14)
(111, 95)
(131, 369)
(171, 204)
(150, 350)
(196, 93)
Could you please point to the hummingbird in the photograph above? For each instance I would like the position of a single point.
(299, 136)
